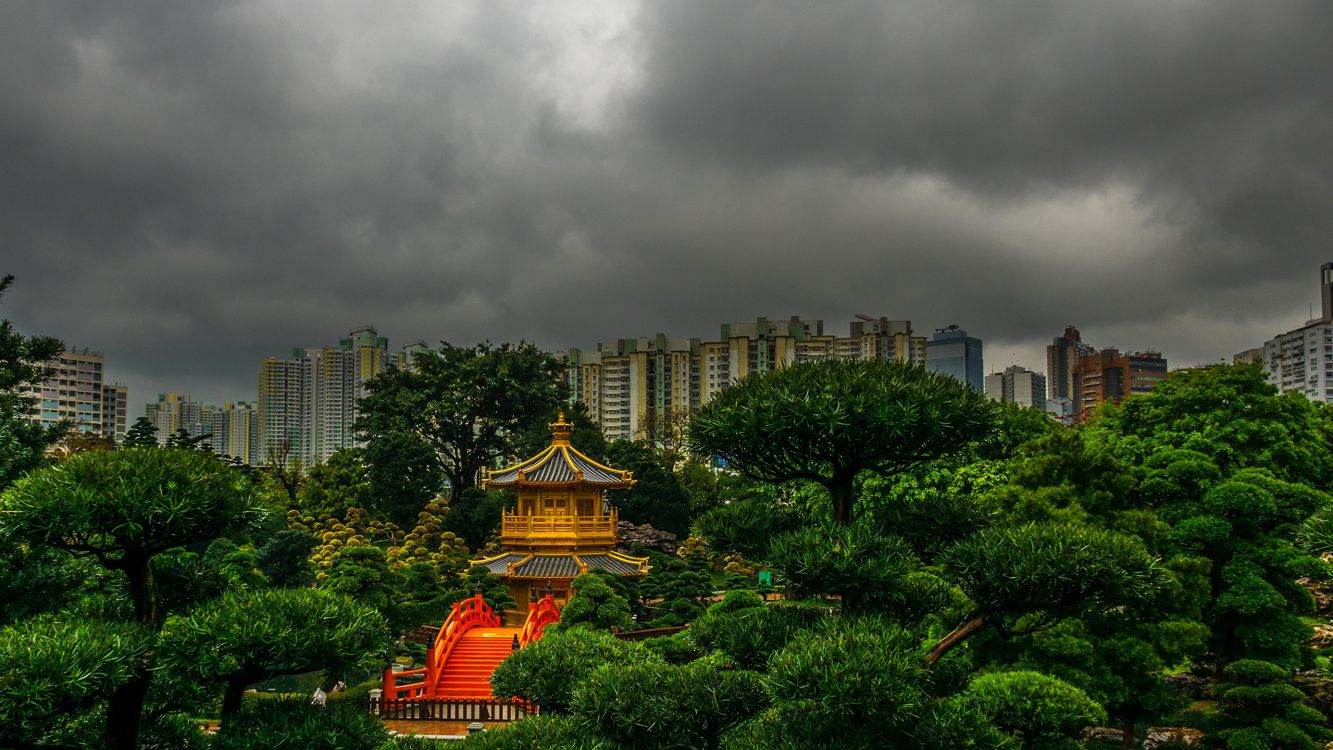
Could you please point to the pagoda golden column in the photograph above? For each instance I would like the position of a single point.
(562, 526)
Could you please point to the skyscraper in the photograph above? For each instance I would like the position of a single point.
(307, 403)
(1061, 357)
(952, 352)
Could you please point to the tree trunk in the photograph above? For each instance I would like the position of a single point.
(231, 698)
(956, 637)
(126, 704)
(124, 709)
(139, 572)
(1127, 734)
(840, 486)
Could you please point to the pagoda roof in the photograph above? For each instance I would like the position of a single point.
(528, 565)
(560, 465)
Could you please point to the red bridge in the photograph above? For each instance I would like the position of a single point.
(471, 643)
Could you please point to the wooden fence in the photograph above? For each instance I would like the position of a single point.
(451, 709)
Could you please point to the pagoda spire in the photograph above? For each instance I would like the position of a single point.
(560, 430)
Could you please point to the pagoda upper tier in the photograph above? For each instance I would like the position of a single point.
(561, 465)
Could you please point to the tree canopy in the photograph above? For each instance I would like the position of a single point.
(827, 422)
(468, 404)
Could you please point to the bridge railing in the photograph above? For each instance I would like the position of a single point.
(451, 709)
(465, 615)
(541, 613)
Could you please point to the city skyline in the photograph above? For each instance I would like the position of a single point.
(200, 186)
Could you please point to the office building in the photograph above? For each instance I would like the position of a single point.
(1061, 356)
(75, 392)
(1018, 385)
(1109, 376)
(952, 352)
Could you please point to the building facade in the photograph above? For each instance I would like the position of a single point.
(307, 403)
(1110, 376)
(1018, 385)
(75, 391)
(643, 388)
(1061, 358)
(952, 352)
(1301, 360)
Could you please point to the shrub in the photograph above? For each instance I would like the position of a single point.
(294, 724)
(547, 671)
(1038, 710)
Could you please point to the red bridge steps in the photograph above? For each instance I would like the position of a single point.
(467, 673)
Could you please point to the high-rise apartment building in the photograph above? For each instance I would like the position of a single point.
(882, 338)
(307, 403)
(1018, 385)
(75, 392)
(952, 352)
(1061, 356)
(1302, 359)
(175, 411)
(635, 387)
(115, 411)
(1109, 376)
(235, 431)
(232, 429)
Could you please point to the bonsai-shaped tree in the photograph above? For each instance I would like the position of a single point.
(122, 508)
(251, 636)
(827, 422)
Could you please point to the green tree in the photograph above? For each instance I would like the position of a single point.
(648, 705)
(142, 434)
(52, 666)
(284, 558)
(657, 497)
(1230, 414)
(123, 508)
(466, 403)
(859, 683)
(494, 591)
(1262, 709)
(586, 437)
(1040, 711)
(23, 442)
(475, 515)
(294, 724)
(596, 603)
(545, 732)
(746, 526)
(547, 671)
(403, 473)
(1022, 579)
(362, 573)
(828, 422)
(851, 562)
(184, 440)
(251, 636)
(339, 483)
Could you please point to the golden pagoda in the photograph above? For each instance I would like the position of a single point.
(562, 526)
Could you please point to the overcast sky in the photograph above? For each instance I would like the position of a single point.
(191, 186)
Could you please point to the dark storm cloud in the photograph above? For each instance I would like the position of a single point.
(193, 186)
